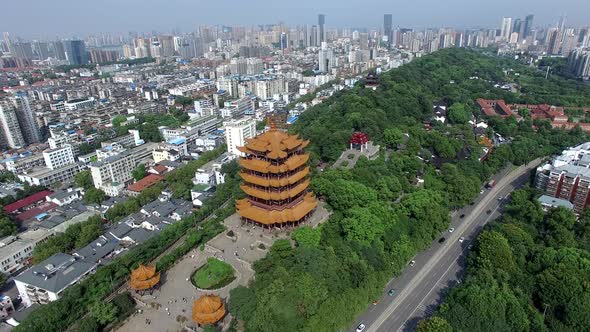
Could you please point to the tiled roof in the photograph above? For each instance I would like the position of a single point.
(34, 198)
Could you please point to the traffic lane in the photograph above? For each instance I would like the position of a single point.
(444, 275)
(409, 273)
(455, 271)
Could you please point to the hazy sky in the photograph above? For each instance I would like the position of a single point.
(48, 18)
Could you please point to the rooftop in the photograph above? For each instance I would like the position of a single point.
(56, 273)
(34, 198)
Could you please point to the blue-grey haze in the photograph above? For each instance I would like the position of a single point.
(67, 18)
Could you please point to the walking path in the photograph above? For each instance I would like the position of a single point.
(241, 247)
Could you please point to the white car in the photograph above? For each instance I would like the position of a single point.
(360, 328)
(412, 263)
(461, 239)
(481, 192)
(451, 230)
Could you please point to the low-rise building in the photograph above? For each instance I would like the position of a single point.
(16, 251)
(44, 282)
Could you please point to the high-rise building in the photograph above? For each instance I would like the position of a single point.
(313, 36)
(10, 128)
(26, 119)
(528, 26)
(517, 28)
(321, 29)
(553, 41)
(325, 58)
(506, 28)
(237, 132)
(75, 51)
(388, 29)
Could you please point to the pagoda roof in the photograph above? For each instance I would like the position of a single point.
(274, 144)
(208, 309)
(273, 182)
(276, 196)
(270, 217)
(144, 277)
(263, 166)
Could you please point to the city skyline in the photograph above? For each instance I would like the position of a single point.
(67, 19)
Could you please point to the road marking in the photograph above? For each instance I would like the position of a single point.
(420, 304)
(404, 293)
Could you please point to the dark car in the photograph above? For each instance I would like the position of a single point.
(441, 240)
(391, 292)
(462, 216)
(489, 211)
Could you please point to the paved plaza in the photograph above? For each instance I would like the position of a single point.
(169, 308)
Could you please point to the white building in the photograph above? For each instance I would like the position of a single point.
(78, 104)
(238, 108)
(15, 251)
(10, 127)
(58, 157)
(44, 282)
(236, 133)
(112, 172)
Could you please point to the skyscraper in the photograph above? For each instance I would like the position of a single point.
(388, 28)
(75, 52)
(313, 36)
(10, 128)
(528, 26)
(506, 28)
(26, 119)
(321, 29)
(553, 41)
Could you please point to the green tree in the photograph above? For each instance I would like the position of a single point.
(434, 324)
(83, 179)
(459, 114)
(7, 227)
(89, 232)
(104, 313)
(3, 279)
(392, 137)
(94, 196)
(139, 172)
(306, 236)
(118, 119)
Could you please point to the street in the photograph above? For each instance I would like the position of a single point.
(421, 288)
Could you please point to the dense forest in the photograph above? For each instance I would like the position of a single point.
(381, 218)
(529, 271)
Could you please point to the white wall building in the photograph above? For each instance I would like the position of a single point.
(236, 133)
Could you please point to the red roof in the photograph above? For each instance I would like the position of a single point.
(161, 169)
(45, 207)
(146, 182)
(494, 107)
(34, 198)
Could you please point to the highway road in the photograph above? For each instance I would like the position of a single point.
(421, 288)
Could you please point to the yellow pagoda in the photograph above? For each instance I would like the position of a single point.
(275, 174)
(208, 309)
(144, 277)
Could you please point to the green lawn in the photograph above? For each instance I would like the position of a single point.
(214, 274)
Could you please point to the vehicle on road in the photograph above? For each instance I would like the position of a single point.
(481, 192)
(489, 211)
(391, 292)
(470, 246)
(500, 198)
(441, 240)
(412, 263)
(461, 239)
(462, 216)
(491, 184)
(451, 230)
(360, 328)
